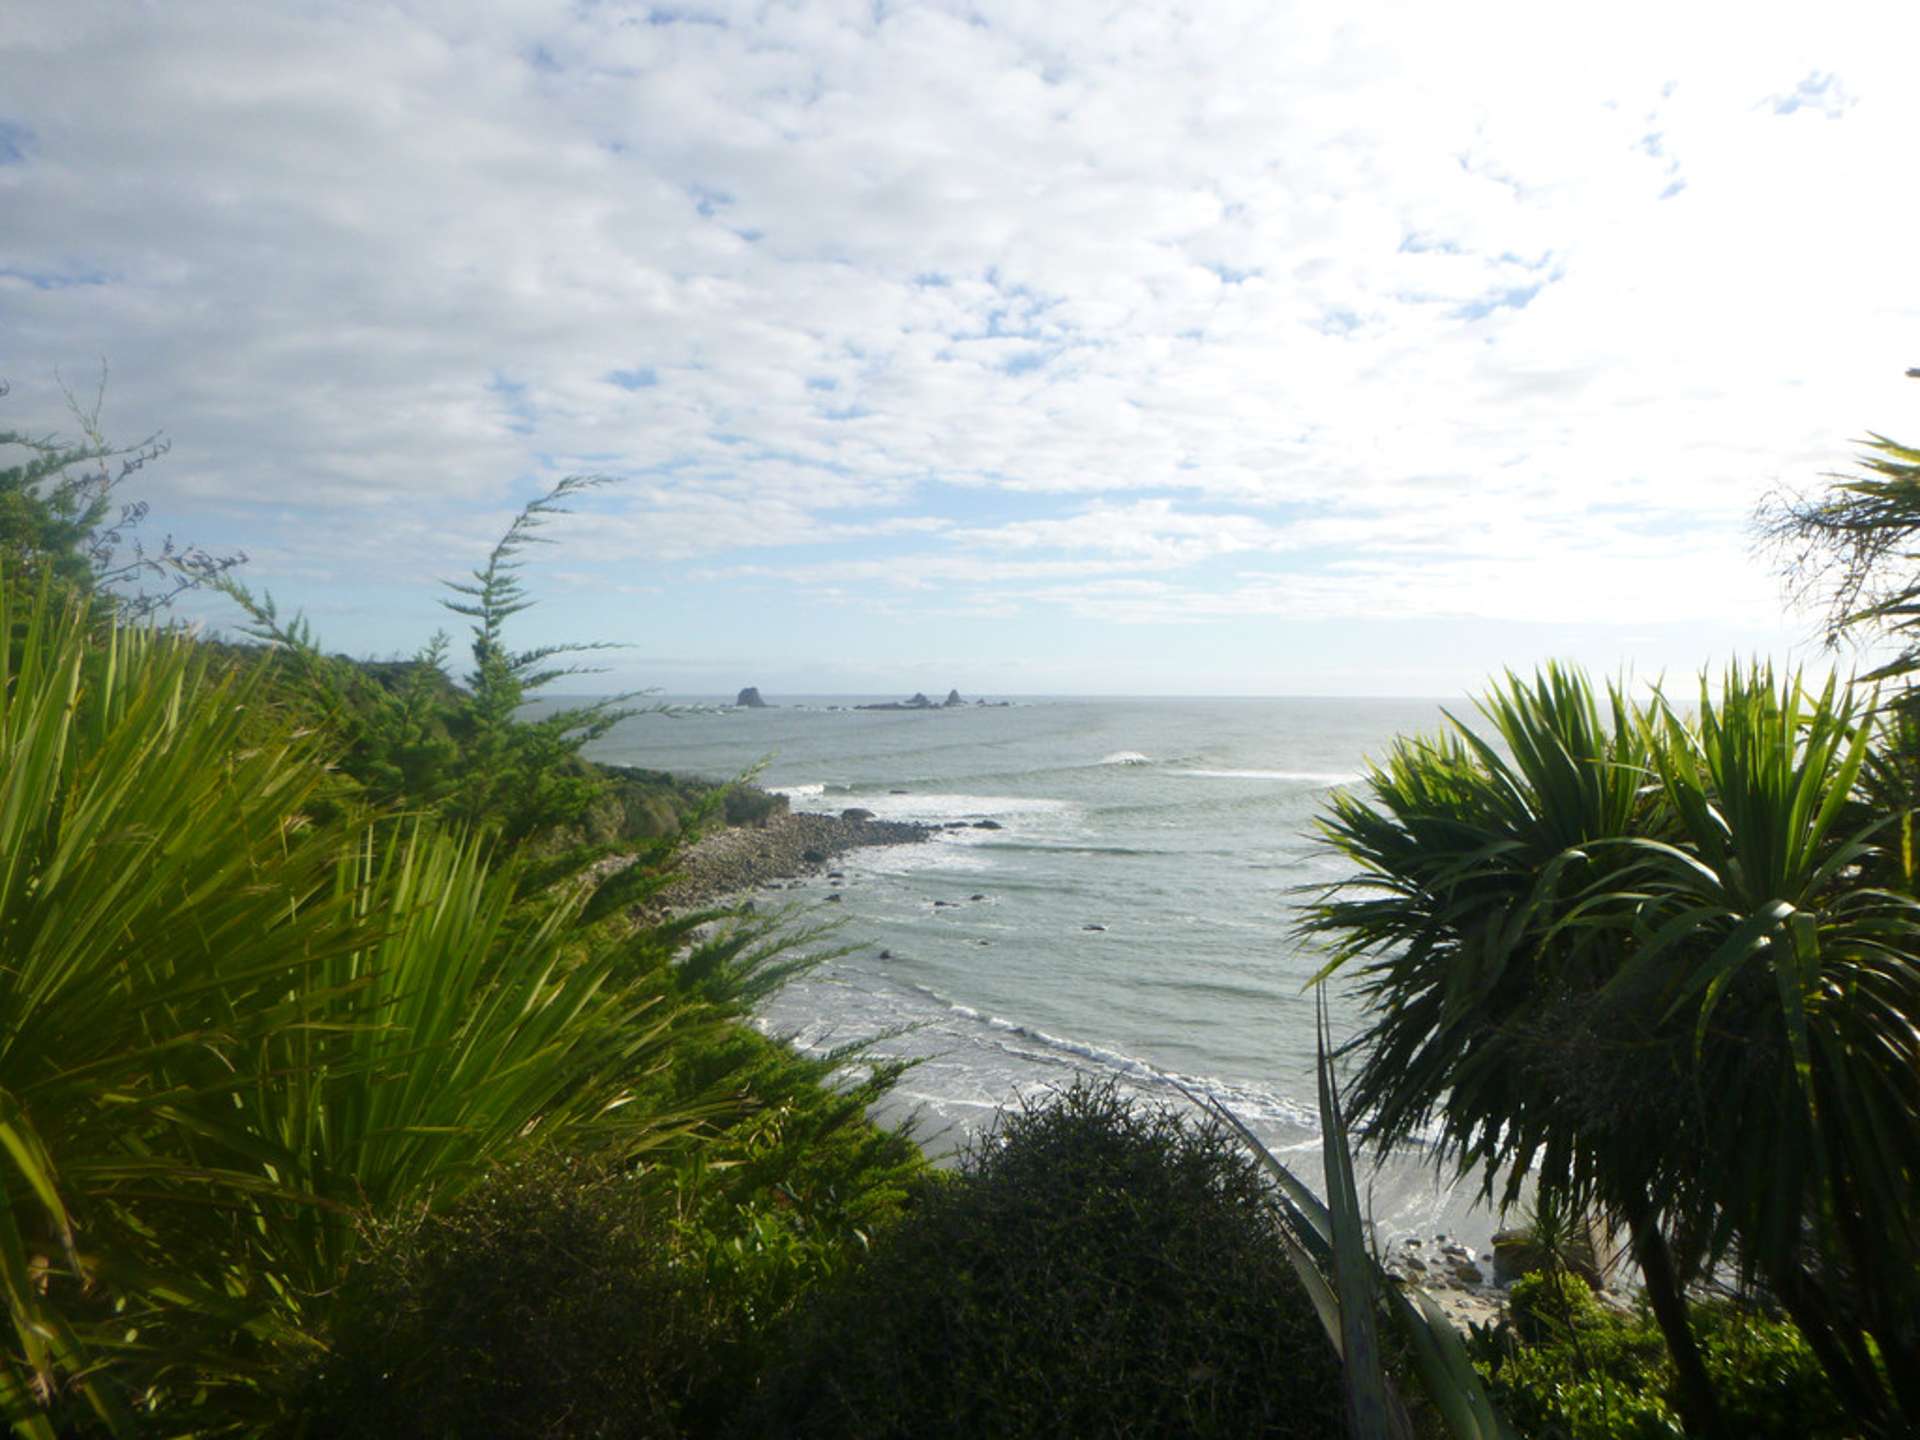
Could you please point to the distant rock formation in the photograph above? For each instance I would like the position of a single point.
(749, 699)
(921, 702)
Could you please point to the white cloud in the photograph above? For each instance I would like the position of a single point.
(1510, 317)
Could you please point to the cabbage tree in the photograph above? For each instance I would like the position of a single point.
(1635, 953)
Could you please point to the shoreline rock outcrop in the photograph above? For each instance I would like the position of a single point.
(749, 699)
(730, 863)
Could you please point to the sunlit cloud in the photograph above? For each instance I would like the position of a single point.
(983, 310)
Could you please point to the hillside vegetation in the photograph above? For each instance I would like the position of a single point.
(346, 1089)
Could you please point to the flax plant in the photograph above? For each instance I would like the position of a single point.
(161, 902)
(464, 1035)
(1328, 1244)
(240, 1017)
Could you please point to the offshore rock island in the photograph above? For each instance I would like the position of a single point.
(921, 702)
(750, 698)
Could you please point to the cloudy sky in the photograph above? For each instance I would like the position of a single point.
(1064, 347)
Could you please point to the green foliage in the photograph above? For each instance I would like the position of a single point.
(1094, 1270)
(413, 739)
(1422, 1362)
(791, 1183)
(162, 904)
(1566, 1368)
(798, 1187)
(548, 1303)
(465, 1034)
(750, 805)
(1548, 1303)
(1640, 954)
(59, 519)
(576, 1297)
(280, 1066)
(514, 768)
(233, 1030)
(1857, 547)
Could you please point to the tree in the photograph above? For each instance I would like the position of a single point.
(59, 515)
(1855, 549)
(1640, 956)
(473, 754)
(524, 757)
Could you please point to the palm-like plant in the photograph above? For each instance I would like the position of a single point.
(463, 1033)
(159, 902)
(229, 1030)
(1636, 954)
(1794, 978)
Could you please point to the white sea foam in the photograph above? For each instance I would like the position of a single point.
(934, 807)
(1312, 777)
(798, 792)
(1126, 757)
(1251, 1103)
(948, 851)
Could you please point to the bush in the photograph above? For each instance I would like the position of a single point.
(796, 1189)
(1545, 1306)
(1093, 1270)
(546, 1304)
(750, 805)
(1564, 1366)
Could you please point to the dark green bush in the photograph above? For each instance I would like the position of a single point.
(750, 805)
(547, 1305)
(1094, 1270)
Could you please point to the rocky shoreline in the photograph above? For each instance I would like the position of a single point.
(729, 864)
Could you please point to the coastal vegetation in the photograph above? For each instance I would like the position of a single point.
(288, 988)
(1095, 1269)
(352, 1080)
(1660, 958)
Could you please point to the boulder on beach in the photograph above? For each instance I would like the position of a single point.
(749, 699)
(854, 812)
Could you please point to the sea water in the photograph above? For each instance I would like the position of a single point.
(1131, 917)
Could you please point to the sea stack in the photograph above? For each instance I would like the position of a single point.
(953, 698)
(749, 699)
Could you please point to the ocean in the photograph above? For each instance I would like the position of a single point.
(1130, 917)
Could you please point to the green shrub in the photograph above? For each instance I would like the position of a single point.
(1768, 1380)
(573, 1300)
(1564, 1366)
(1093, 1270)
(750, 805)
(1544, 1306)
(795, 1189)
(547, 1304)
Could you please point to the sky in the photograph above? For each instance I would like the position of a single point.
(1260, 349)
